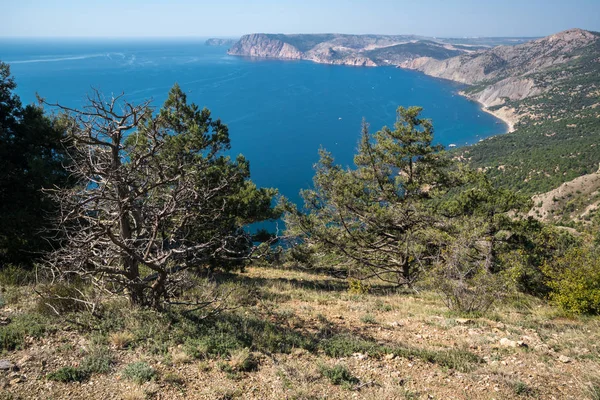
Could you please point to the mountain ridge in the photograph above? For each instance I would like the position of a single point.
(355, 50)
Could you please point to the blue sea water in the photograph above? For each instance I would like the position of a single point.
(279, 112)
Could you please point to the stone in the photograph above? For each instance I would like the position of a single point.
(390, 356)
(564, 359)
(6, 365)
(16, 380)
(505, 342)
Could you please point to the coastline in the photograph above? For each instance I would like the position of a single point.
(504, 114)
(509, 120)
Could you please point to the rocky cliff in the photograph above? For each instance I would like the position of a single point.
(276, 46)
(261, 45)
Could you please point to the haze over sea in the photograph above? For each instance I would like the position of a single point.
(279, 112)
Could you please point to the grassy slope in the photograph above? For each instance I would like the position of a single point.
(303, 42)
(415, 49)
(305, 333)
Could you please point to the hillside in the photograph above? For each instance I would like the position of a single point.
(573, 201)
(400, 53)
(507, 72)
(555, 109)
(287, 332)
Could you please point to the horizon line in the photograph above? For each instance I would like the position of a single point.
(265, 33)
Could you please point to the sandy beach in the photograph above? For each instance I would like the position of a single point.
(506, 114)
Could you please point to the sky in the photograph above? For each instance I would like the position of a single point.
(231, 18)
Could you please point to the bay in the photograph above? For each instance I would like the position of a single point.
(279, 113)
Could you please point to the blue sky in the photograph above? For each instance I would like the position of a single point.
(153, 18)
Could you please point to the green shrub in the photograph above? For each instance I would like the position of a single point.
(521, 388)
(12, 336)
(575, 281)
(15, 276)
(68, 374)
(339, 375)
(356, 286)
(368, 319)
(99, 360)
(139, 372)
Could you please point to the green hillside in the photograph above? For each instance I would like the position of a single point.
(558, 138)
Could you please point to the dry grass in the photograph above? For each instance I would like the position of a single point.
(121, 340)
(134, 394)
(179, 357)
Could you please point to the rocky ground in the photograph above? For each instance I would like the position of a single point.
(522, 349)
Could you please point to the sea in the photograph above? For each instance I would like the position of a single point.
(279, 112)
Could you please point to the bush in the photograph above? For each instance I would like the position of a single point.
(464, 275)
(575, 281)
(99, 361)
(368, 319)
(68, 374)
(356, 286)
(139, 372)
(12, 336)
(472, 294)
(339, 375)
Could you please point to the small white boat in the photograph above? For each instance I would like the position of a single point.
(451, 145)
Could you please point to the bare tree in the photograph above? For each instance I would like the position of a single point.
(156, 196)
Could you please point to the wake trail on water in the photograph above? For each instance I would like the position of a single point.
(70, 58)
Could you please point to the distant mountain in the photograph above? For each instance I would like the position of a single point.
(507, 70)
(359, 50)
(220, 42)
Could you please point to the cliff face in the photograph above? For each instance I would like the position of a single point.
(271, 46)
(260, 45)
